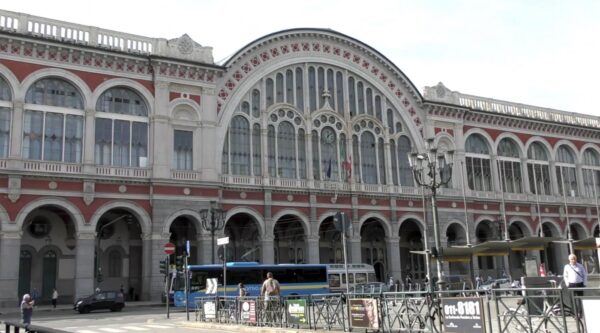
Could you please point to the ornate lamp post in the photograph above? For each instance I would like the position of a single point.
(432, 171)
(213, 220)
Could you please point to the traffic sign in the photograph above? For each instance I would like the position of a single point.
(169, 248)
(223, 241)
(211, 286)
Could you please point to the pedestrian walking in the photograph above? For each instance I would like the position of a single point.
(242, 291)
(54, 298)
(27, 309)
(575, 274)
(271, 290)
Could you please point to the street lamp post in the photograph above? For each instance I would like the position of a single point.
(432, 171)
(99, 235)
(213, 220)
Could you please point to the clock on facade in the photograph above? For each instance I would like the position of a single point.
(328, 135)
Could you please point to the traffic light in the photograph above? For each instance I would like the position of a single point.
(164, 266)
(179, 263)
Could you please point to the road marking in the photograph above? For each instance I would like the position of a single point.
(158, 326)
(134, 328)
(112, 330)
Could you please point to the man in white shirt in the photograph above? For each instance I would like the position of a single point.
(575, 274)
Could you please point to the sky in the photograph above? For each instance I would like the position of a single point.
(539, 52)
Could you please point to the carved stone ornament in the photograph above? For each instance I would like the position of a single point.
(122, 188)
(243, 195)
(89, 190)
(14, 188)
(185, 47)
(52, 185)
(187, 191)
(290, 198)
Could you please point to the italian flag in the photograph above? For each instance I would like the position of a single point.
(346, 161)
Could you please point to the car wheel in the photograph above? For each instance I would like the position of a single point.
(116, 308)
(86, 309)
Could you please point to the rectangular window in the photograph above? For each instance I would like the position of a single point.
(4, 131)
(183, 150)
(33, 124)
(103, 141)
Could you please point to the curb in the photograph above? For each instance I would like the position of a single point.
(62, 308)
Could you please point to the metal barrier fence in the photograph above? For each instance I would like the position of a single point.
(16, 327)
(529, 310)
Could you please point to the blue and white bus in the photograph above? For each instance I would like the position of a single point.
(295, 279)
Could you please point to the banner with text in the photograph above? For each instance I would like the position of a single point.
(463, 315)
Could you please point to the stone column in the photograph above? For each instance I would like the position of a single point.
(90, 132)
(152, 253)
(313, 250)
(16, 130)
(268, 254)
(203, 249)
(354, 249)
(392, 245)
(84, 264)
(10, 252)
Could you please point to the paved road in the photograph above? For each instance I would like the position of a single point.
(131, 320)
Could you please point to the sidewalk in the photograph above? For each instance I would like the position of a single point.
(69, 307)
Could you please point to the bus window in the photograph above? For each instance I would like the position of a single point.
(343, 278)
(334, 280)
(372, 277)
(350, 278)
(310, 275)
(361, 277)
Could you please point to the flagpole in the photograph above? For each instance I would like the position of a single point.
(564, 190)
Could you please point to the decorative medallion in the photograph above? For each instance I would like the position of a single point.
(410, 203)
(517, 208)
(122, 188)
(373, 202)
(243, 195)
(485, 206)
(546, 210)
(290, 198)
(334, 199)
(187, 191)
(186, 45)
(453, 204)
(52, 185)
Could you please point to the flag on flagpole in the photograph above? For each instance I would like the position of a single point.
(346, 161)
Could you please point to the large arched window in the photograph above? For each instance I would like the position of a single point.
(5, 115)
(566, 174)
(239, 140)
(591, 173)
(368, 158)
(56, 133)
(538, 169)
(478, 163)
(509, 166)
(286, 150)
(121, 128)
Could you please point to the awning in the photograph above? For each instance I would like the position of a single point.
(591, 243)
(495, 248)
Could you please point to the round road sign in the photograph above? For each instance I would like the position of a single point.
(169, 248)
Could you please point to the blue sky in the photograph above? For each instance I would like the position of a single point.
(543, 53)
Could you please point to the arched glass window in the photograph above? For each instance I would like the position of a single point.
(509, 166)
(289, 86)
(368, 158)
(315, 155)
(256, 150)
(477, 158)
(299, 89)
(121, 128)
(538, 169)
(352, 96)
(122, 100)
(381, 161)
(406, 175)
(591, 173)
(5, 115)
(566, 174)
(339, 91)
(53, 134)
(301, 154)
(239, 140)
(271, 152)
(394, 161)
(114, 263)
(183, 148)
(286, 150)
